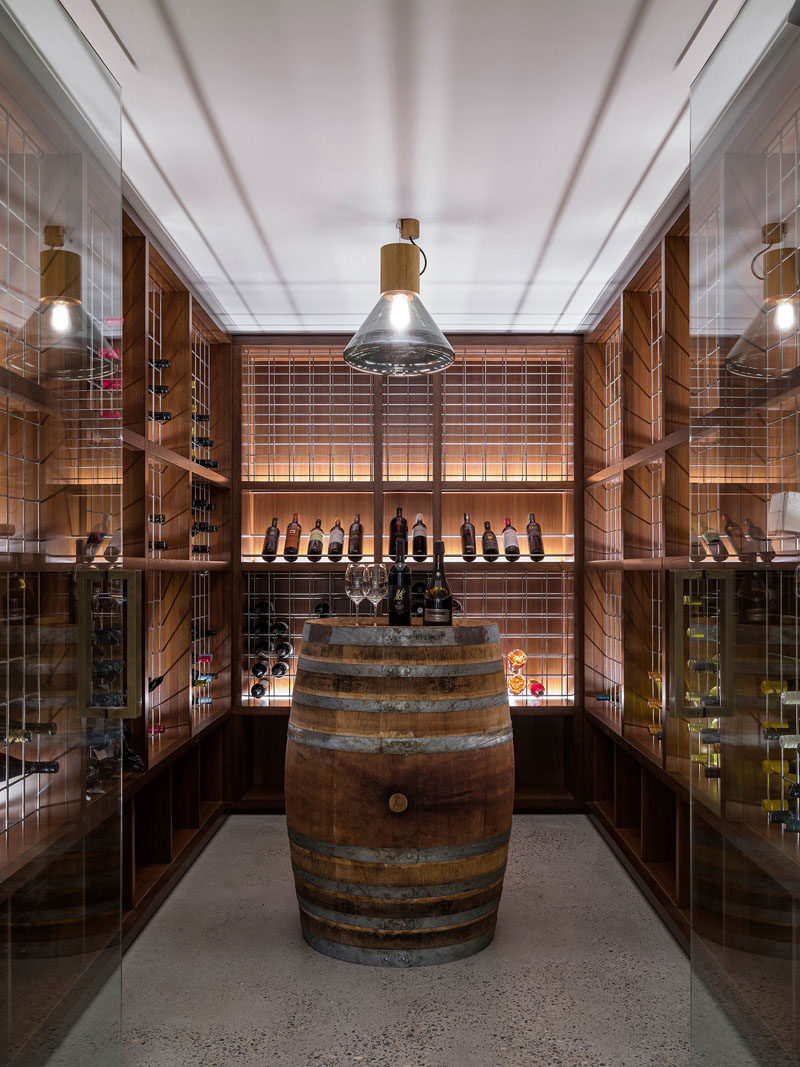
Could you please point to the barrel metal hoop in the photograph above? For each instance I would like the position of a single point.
(399, 670)
(406, 636)
(400, 746)
(385, 923)
(351, 702)
(436, 854)
(399, 892)
(387, 957)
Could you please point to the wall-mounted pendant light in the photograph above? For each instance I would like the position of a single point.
(768, 347)
(399, 336)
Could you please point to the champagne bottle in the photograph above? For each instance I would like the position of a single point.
(535, 543)
(419, 540)
(399, 603)
(468, 549)
(316, 540)
(761, 543)
(11, 767)
(438, 599)
(398, 528)
(269, 550)
(257, 690)
(196, 417)
(260, 668)
(510, 541)
(336, 542)
(713, 543)
(355, 540)
(490, 549)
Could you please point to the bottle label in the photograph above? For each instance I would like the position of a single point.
(510, 539)
(437, 615)
(337, 536)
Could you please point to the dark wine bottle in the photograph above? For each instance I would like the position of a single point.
(419, 539)
(399, 593)
(322, 609)
(14, 735)
(398, 528)
(158, 519)
(260, 668)
(510, 541)
(468, 544)
(269, 550)
(438, 598)
(291, 546)
(11, 767)
(355, 540)
(209, 464)
(199, 635)
(159, 416)
(535, 543)
(257, 690)
(204, 527)
(336, 542)
(199, 504)
(279, 627)
(733, 532)
(262, 647)
(282, 648)
(158, 546)
(713, 543)
(280, 668)
(159, 364)
(159, 390)
(154, 683)
(200, 418)
(264, 607)
(761, 543)
(316, 540)
(490, 548)
(202, 442)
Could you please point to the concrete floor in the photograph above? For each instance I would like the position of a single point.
(580, 974)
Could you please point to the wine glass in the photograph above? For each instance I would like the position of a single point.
(354, 579)
(376, 585)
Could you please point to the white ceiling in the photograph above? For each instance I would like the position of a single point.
(276, 142)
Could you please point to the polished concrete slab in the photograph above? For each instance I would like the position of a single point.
(581, 973)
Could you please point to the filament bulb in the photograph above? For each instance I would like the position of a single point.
(400, 313)
(59, 317)
(785, 316)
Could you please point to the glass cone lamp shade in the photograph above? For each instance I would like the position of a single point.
(399, 337)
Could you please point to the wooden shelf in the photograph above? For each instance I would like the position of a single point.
(452, 563)
(136, 442)
(146, 563)
(646, 454)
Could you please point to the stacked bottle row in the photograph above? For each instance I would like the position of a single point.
(748, 546)
(202, 508)
(160, 415)
(398, 540)
(270, 643)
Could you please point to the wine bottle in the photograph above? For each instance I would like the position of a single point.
(703, 666)
(355, 540)
(419, 540)
(13, 736)
(399, 602)
(199, 504)
(761, 543)
(202, 442)
(336, 542)
(154, 683)
(468, 549)
(282, 648)
(158, 546)
(269, 549)
(257, 690)
(536, 689)
(204, 527)
(264, 607)
(744, 549)
(201, 550)
(279, 627)
(157, 519)
(209, 464)
(490, 549)
(159, 416)
(11, 767)
(204, 700)
(535, 542)
(713, 543)
(316, 540)
(703, 632)
(199, 635)
(7, 529)
(438, 599)
(280, 668)
(398, 528)
(262, 647)
(260, 668)
(159, 390)
(510, 541)
(197, 417)
(322, 609)
(159, 364)
(111, 553)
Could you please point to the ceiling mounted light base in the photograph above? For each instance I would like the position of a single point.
(399, 337)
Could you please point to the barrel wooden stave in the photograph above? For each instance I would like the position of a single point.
(423, 714)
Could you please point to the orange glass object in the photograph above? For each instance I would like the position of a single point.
(516, 660)
(516, 685)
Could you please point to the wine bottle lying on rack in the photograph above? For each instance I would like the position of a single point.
(159, 364)
(204, 527)
(159, 416)
(713, 543)
(11, 767)
(13, 736)
(48, 728)
(199, 504)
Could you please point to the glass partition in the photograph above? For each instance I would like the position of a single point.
(68, 621)
(738, 621)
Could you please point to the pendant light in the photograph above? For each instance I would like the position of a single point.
(768, 347)
(399, 336)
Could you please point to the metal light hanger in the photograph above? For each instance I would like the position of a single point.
(399, 336)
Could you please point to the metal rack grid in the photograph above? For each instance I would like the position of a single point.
(21, 645)
(202, 652)
(155, 379)
(656, 471)
(408, 429)
(612, 638)
(656, 360)
(656, 672)
(157, 640)
(508, 414)
(201, 391)
(20, 476)
(155, 504)
(20, 243)
(613, 397)
(306, 416)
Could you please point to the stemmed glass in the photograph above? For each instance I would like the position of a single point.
(376, 585)
(354, 579)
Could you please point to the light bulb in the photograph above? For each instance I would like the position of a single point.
(400, 313)
(785, 316)
(59, 317)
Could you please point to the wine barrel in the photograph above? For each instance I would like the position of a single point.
(399, 790)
